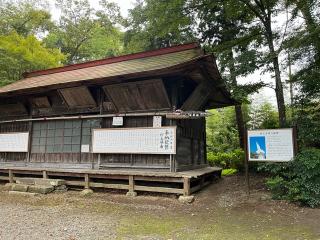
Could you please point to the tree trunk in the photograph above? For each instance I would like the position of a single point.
(240, 125)
(276, 68)
(238, 107)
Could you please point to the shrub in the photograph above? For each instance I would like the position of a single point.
(227, 160)
(299, 180)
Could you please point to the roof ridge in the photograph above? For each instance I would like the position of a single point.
(105, 61)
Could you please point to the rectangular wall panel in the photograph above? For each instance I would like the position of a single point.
(135, 140)
(14, 142)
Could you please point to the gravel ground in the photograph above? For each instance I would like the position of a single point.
(53, 222)
(221, 211)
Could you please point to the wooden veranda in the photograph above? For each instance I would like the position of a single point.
(181, 183)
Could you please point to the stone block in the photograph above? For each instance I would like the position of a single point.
(20, 187)
(8, 186)
(23, 194)
(61, 188)
(26, 181)
(40, 189)
(131, 194)
(86, 192)
(186, 199)
(50, 182)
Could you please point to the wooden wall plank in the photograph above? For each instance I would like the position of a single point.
(137, 96)
(78, 97)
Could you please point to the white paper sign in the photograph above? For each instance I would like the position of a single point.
(85, 148)
(157, 121)
(117, 121)
(274, 145)
(135, 140)
(14, 142)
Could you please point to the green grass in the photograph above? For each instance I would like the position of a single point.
(216, 226)
(228, 172)
(147, 225)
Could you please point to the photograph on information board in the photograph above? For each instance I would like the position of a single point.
(258, 147)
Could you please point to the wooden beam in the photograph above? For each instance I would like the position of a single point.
(159, 189)
(198, 98)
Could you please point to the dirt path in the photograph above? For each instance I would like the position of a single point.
(222, 211)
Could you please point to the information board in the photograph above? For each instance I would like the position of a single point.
(14, 142)
(135, 140)
(274, 145)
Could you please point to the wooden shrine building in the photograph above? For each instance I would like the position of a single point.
(139, 112)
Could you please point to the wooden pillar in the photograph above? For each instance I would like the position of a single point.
(131, 184)
(45, 174)
(11, 176)
(131, 192)
(186, 186)
(30, 141)
(86, 181)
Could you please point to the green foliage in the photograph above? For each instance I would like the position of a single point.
(227, 160)
(229, 172)
(154, 24)
(263, 116)
(222, 135)
(25, 18)
(20, 54)
(85, 34)
(297, 181)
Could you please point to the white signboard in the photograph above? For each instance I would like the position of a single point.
(14, 142)
(117, 121)
(274, 145)
(157, 121)
(85, 148)
(135, 140)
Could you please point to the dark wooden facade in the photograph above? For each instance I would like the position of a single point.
(60, 117)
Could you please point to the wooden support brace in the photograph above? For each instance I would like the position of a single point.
(186, 186)
(45, 174)
(11, 176)
(86, 181)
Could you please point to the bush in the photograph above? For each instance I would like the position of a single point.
(299, 180)
(226, 160)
